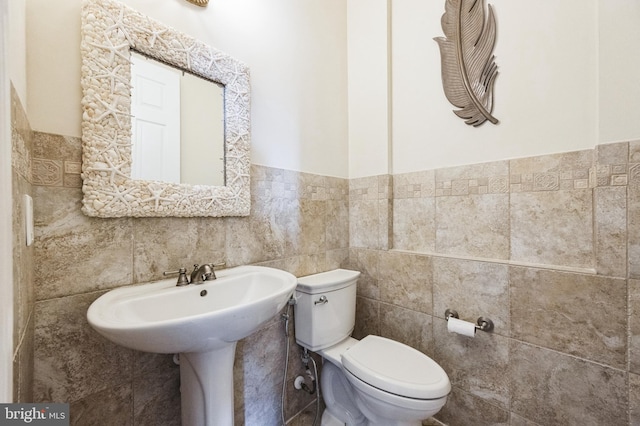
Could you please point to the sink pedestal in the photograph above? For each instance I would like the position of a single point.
(206, 387)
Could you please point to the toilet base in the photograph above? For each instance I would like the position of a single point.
(329, 419)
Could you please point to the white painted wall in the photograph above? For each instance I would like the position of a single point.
(6, 240)
(568, 78)
(17, 48)
(545, 93)
(368, 41)
(296, 51)
(568, 81)
(619, 65)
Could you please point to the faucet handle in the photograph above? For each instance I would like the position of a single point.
(182, 276)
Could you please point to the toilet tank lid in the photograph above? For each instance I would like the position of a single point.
(396, 368)
(327, 281)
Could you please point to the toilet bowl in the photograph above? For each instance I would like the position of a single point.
(374, 381)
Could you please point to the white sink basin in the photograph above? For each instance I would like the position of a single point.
(160, 317)
(202, 322)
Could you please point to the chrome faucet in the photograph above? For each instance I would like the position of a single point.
(200, 274)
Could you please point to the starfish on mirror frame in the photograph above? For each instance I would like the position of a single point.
(111, 109)
(156, 196)
(119, 25)
(114, 50)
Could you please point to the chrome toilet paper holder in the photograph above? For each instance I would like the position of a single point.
(483, 324)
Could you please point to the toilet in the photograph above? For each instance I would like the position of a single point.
(368, 382)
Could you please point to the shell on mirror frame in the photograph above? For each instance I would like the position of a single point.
(202, 3)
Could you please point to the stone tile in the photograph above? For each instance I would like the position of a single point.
(633, 224)
(261, 236)
(57, 147)
(338, 258)
(313, 187)
(465, 409)
(97, 253)
(113, 405)
(565, 311)
(370, 211)
(295, 399)
(367, 262)
(72, 361)
(156, 390)
(367, 318)
(47, 172)
(21, 138)
(612, 153)
(406, 280)
(432, 421)
(472, 175)
(23, 260)
(473, 289)
(23, 365)
(337, 188)
(634, 399)
(364, 222)
(611, 168)
(385, 224)
(420, 184)
(553, 228)
(337, 224)
(407, 326)
(566, 161)
(414, 226)
(634, 151)
(476, 365)
(634, 326)
(474, 225)
(305, 228)
(557, 389)
(258, 368)
(611, 231)
(306, 264)
(364, 189)
(307, 417)
(167, 244)
(516, 420)
(569, 170)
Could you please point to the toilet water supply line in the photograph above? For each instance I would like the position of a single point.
(305, 359)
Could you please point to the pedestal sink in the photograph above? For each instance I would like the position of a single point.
(201, 322)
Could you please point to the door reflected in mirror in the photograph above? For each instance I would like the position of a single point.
(177, 125)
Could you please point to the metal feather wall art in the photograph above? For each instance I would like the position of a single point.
(468, 66)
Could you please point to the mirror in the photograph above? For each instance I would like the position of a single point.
(177, 124)
(110, 32)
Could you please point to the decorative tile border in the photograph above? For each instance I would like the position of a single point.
(21, 141)
(566, 171)
(47, 172)
(473, 186)
(634, 175)
(285, 184)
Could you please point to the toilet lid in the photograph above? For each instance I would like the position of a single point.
(396, 368)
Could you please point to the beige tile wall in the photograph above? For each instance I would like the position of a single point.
(298, 222)
(23, 256)
(547, 247)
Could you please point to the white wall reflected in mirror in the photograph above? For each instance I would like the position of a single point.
(177, 125)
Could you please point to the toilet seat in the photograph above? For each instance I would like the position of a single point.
(396, 368)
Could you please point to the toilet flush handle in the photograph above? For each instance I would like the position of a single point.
(321, 301)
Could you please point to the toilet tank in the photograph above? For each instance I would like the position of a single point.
(325, 309)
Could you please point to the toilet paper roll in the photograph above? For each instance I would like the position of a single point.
(464, 328)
